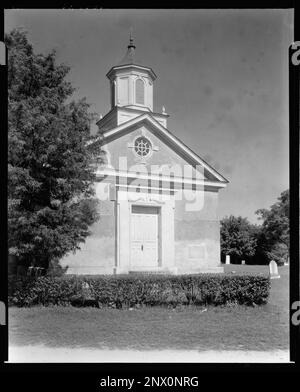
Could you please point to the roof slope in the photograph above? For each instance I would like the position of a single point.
(129, 57)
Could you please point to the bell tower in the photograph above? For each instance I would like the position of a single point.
(131, 84)
(131, 92)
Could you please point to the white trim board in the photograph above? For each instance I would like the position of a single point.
(141, 176)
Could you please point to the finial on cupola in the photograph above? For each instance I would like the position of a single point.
(131, 45)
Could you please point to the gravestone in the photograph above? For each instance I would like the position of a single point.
(243, 262)
(227, 259)
(273, 270)
(86, 290)
(30, 271)
(85, 297)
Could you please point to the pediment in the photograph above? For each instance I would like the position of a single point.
(118, 143)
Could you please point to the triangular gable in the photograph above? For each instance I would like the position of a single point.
(167, 137)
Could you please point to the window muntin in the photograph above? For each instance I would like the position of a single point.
(142, 146)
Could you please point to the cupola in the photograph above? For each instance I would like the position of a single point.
(131, 84)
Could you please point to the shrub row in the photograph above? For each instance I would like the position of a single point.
(128, 291)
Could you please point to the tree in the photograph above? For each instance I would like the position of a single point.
(50, 171)
(237, 237)
(275, 227)
(261, 254)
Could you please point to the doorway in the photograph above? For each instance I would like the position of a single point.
(144, 236)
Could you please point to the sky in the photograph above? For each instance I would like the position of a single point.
(222, 77)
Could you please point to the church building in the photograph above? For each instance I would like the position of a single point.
(158, 198)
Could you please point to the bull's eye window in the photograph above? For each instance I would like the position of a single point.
(142, 146)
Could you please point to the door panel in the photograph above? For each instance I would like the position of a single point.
(150, 240)
(136, 240)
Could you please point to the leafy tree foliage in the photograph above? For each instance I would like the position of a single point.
(50, 171)
(237, 237)
(261, 251)
(258, 244)
(275, 227)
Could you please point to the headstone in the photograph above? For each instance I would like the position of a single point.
(287, 262)
(273, 269)
(39, 271)
(86, 298)
(243, 262)
(30, 271)
(86, 290)
(227, 259)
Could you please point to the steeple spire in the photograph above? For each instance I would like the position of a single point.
(131, 45)
(129, 57)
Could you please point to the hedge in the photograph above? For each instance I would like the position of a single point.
(128, 291)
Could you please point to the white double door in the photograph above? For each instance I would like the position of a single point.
(144, 236)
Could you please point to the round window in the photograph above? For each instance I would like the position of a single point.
(142, 146)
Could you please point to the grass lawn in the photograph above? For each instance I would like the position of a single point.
(237, 328)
